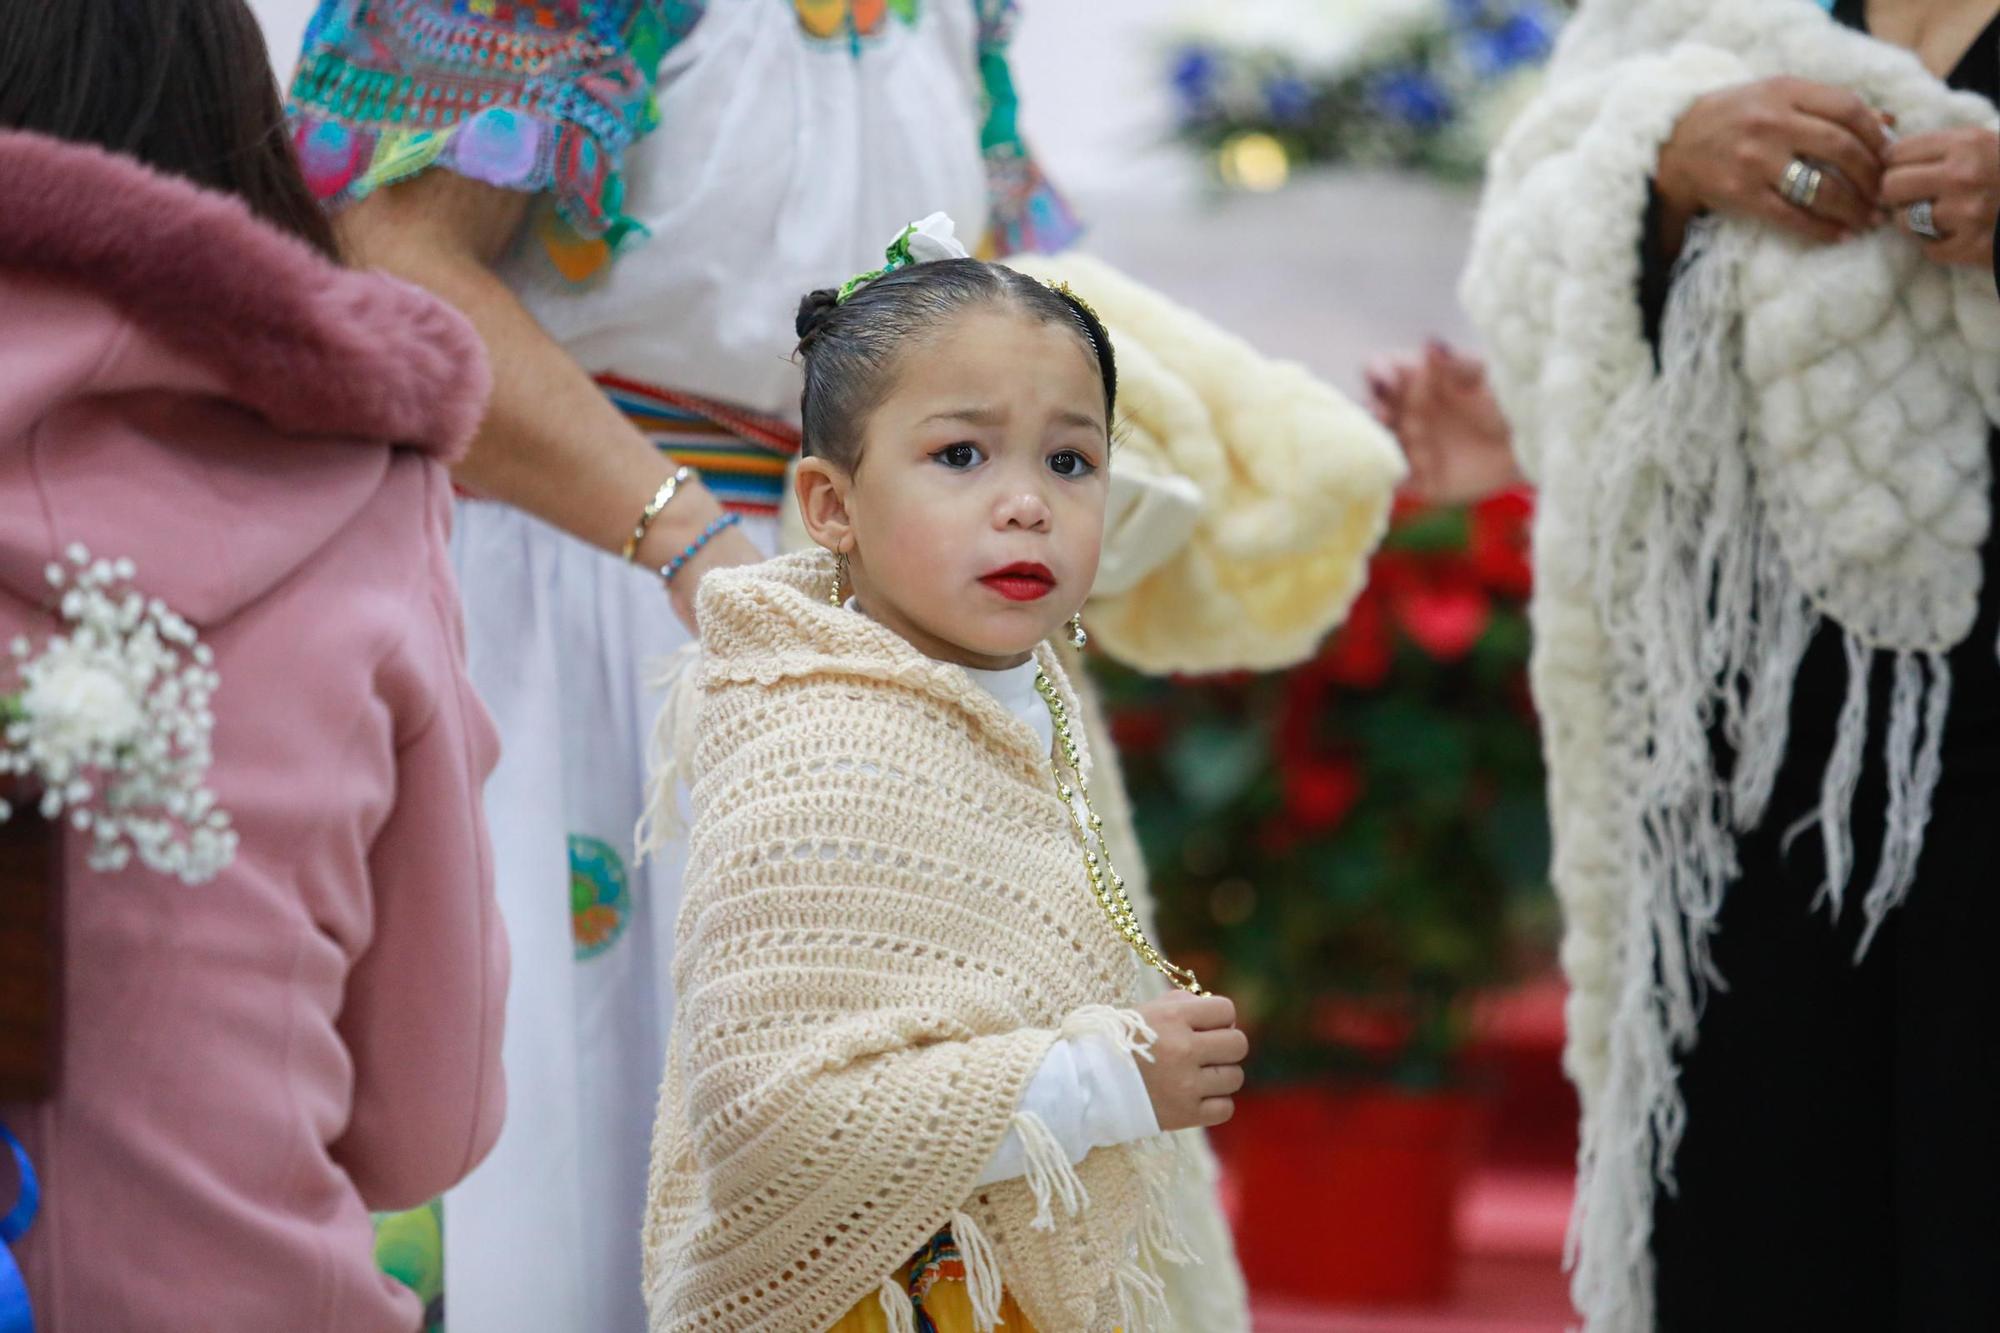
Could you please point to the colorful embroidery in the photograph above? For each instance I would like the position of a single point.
(851, 20)
(536, 97)
(547, 98)
(938, 1261)
(410, 1248)
(741, 456)
(600, 898)
(1026, 212)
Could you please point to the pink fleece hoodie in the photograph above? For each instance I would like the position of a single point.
(253, 1064)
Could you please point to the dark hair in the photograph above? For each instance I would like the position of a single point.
(850, 348)
(185, 86)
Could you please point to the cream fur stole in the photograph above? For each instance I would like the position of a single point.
(1291, 484)
(1814, 449)
(886, 924)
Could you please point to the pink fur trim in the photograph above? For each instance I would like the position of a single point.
(315, 348)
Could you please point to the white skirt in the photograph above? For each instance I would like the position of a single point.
(544, 1236)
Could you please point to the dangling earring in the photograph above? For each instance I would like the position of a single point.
(1077, 635)
(839, 577)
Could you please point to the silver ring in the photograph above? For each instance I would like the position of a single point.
(1801, 183)
(1922, 222)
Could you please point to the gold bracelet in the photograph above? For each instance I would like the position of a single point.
(661, 499)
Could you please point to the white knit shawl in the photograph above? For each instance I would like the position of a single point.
(1814, 448)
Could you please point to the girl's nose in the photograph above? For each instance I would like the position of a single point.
(1024, 509)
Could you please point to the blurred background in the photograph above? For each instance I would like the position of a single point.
(1355, 849)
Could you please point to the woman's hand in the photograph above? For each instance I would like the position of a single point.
(1197, 1065)
(1443, 413)
(1729, 154)
(1958, 173)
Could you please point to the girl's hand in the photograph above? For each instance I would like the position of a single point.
(1958, 173)
(1197, 1065)
(1443, 413)
(1729, 153)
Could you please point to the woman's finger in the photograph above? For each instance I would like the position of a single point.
(1216, 1111)
(1828, 142)
(1772, 207)
(1906, 185)
(1385, 400)
(1837, 202)
(1946, 252)
(1466, 372)
(1843, 108)
(1932, 147)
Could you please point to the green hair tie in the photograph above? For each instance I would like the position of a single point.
(922, 242)
(897, 256)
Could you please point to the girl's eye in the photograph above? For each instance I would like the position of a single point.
(1070, 463)
(958, 456)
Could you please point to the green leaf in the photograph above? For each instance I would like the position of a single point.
(1516, 835)
(1428, 751)
(1431, 531)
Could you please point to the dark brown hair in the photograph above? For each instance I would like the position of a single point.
(851, 348)
(185, 86)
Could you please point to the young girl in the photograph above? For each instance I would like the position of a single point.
(914, 1081)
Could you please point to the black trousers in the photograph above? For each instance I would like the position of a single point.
(1841, 1168)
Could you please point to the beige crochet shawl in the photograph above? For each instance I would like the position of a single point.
(886, 925)
(1813, 450)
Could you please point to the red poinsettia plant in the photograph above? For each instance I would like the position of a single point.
(1353, 847)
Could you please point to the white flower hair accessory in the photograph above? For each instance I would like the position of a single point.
(922, 242)
(932, 238)
(113, 719)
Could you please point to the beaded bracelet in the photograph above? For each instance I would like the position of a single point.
(661, 499)
(708, 534)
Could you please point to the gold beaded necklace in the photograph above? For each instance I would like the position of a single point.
(1106, 885)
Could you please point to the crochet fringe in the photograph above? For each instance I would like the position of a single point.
(1141, 1294)
(1159, 1162)
(1139, 1290)
(1706, 629)
(897, 1308)
(984, 1286)
(1126, 1029)
(1051, 1175)
(669, 755)
(1142, 1299)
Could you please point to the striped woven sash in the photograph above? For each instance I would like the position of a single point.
(740, 455)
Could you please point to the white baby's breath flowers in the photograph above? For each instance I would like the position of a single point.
(114, 719)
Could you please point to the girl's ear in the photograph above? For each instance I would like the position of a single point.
(821, 489)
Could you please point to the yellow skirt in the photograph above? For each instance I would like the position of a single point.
(935, 1279)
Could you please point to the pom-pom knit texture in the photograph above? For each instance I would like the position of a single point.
(1812, 449)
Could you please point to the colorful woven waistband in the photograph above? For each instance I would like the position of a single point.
(740, 455)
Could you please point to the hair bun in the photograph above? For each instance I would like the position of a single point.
(813, 311)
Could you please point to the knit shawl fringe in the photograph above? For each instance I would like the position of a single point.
(1707, 629)
(1690, 549)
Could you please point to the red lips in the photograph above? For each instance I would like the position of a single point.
(1024, 582)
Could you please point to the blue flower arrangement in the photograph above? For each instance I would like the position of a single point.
(1424, 85)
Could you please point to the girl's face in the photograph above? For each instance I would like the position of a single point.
(973, 522)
